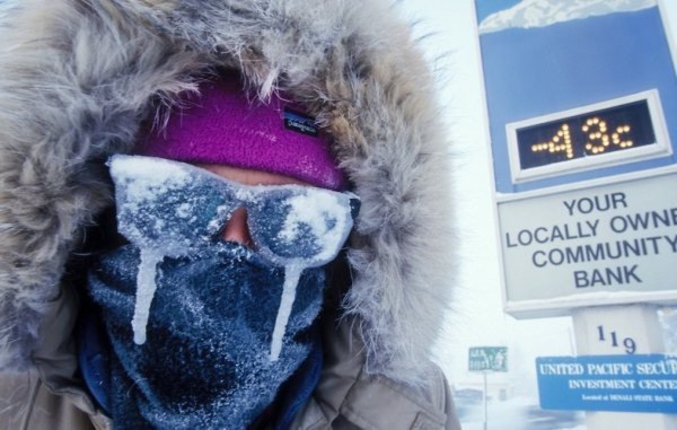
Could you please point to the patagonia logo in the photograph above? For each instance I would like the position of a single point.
(300, 123)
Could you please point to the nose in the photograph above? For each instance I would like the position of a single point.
(237, 229)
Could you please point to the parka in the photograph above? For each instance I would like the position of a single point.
(78, 78)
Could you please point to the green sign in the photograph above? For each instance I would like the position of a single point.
(493, 358)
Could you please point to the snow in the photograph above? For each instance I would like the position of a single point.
(149, 179)
(313, 210)
(183, 210)
(542, 13)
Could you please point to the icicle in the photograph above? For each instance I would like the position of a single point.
(145, 291)
(292, 274)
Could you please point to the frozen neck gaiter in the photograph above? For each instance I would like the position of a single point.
(206, 360)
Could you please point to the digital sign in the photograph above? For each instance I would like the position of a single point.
(592, 134)
(625, 129)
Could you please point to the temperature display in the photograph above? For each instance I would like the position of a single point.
(593, 134)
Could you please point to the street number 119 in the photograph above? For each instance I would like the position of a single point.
(628, 342)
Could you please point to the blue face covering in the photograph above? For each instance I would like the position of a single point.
(206, 360)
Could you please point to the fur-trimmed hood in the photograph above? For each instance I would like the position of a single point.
(77, 77)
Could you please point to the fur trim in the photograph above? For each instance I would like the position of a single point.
(76, 93)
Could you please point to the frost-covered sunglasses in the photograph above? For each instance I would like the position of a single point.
(179, 207)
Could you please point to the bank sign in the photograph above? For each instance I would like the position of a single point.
(611, 242)
(618, 383)
(581, 106)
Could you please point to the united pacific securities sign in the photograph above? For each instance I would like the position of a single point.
(623, 383)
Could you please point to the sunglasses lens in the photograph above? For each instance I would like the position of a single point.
(300, 225)
(164, 204)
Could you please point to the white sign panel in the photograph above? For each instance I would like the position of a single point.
(600, 242)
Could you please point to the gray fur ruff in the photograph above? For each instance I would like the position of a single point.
(78, 76)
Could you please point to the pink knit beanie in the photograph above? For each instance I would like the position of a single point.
(221, 126)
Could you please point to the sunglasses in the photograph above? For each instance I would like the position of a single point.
(177, 208)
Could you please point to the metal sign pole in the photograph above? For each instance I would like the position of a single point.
(484, 373)
(484, 359)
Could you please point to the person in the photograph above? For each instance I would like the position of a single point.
(220, 214)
